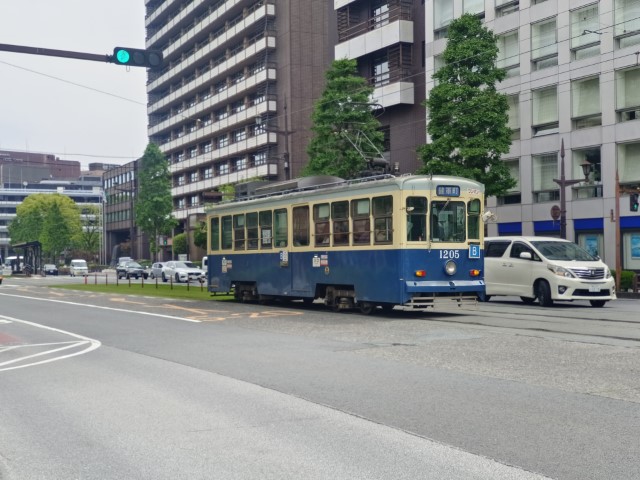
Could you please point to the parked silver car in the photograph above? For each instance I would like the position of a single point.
(181, 272)
(156, 270)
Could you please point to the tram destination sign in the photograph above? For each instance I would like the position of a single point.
(448, 190)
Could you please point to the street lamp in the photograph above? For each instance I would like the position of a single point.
(286, 132)
(562, 183)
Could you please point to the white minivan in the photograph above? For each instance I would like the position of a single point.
(78, 267)
(547, 269)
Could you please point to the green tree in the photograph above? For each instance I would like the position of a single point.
(180, 243)
(341, 118)
(51, 219)
(468, 118)
(200, 235)
(89, 239)
(154, 203)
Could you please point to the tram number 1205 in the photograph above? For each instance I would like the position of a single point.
(448, 254)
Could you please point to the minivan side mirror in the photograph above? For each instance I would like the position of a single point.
(525, 255)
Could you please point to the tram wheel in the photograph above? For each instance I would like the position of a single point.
(366, 308)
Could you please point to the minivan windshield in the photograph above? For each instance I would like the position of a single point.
(564, 251)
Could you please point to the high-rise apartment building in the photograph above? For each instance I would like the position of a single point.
(387, 39)
(572, 79)
(235, 96)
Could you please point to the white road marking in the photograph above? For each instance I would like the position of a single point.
(182, 319)
(89, 342)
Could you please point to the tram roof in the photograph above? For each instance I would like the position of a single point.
(333, 187)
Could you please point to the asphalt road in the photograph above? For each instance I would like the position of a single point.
(114, 386)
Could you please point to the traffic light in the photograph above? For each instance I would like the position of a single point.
(137, 57)
(633, 202)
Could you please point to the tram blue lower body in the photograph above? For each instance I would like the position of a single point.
(385, 276)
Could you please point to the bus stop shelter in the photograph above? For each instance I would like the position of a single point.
(32, 257)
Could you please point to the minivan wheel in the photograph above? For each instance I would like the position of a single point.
(544, 294)
(177, 278)
(164, 277)
(597, 303)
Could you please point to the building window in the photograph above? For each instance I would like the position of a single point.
(629, 162)
(194, 201)
(208, 147)
(585, 103)
(473, 6)
(180, 204)
(585, 39)
(512, 196)
(544, 44)
(180, 180)
(442, 14)
(514, 116)
(238, 135)
(221, 114)
(193, 152)
(238, 106)
(193, 177)
(208, 173)
(380, 14)
(545, 169)
(627, 22)
(505, 7)
(223, 169)
(545, 111)
(593, 186)
(260, 158)
(509, 53)
(381, 70)
(240, 164)
(222, 141)
(628, 94)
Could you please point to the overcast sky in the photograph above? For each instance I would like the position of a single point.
(75, 109)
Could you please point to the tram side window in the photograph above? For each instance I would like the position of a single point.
(416, 219)
(252, 231)
(321, 224)
(383, 219)
(238, 232)
(214, 232)
(280, 217)
(448, 222)
(300, 217)
(340, 218)
(266, 229)
(473, 228)
(227, 233)
(360, 214)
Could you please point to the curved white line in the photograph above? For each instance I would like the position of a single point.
(93, 344)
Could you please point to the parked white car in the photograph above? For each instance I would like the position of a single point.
(547, 269)
(181, 271)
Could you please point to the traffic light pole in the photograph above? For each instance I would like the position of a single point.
(131, 57)
(55, 53)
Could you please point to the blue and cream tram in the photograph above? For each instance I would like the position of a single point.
(409, 241)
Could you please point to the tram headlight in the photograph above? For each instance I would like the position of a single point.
(450, 267)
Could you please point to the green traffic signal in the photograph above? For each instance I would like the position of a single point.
(137, 57)
(122, 56)
(633, 202)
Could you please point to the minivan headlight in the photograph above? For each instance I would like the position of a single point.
(561, 271)
(607, 272)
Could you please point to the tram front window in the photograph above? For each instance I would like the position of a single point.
(448, 221)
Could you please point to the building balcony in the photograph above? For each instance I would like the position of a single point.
(396, 92)
(223, 36)
(400, 31)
